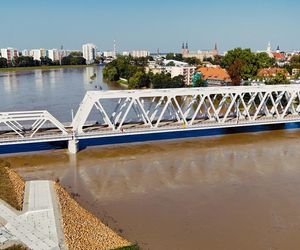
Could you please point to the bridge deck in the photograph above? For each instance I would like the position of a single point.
(96, 130)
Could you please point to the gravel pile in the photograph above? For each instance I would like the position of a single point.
(12, 186)
(18, 186)
(83, 230)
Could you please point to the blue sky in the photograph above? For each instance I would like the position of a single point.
(150, 24)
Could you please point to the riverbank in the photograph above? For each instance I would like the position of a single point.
(93, 233)
(44, 67)
(81, 229)
(12, 186)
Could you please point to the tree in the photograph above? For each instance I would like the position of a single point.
(139, 80)
(178, 81)
(25, 61)
(170, 64)
(192, 61)
(235, 70)
(295, 62)
(264, 60)
(71, 60)
(111, 74)
(46, 61)
(178, 57)
(3, 62)
(76, 53)
(279, 78)
(218, 60)
(170, 56)
(244, 60)
(163, 81)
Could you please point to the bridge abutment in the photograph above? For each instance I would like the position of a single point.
(73, 146)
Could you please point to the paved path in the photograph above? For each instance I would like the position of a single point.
(38, 226)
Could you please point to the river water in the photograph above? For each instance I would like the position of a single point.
(237, 191)
(56, 90)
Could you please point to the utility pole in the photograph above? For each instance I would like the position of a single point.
(60, 54)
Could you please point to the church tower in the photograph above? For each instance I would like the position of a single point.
(278, 49)
(185, 49)
(215, 51)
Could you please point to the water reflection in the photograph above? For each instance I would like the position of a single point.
(56, 90)
(192, 188)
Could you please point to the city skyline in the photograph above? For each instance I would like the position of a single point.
(150, 25)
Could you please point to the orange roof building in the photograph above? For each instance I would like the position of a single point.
(215, 75)
(278, 56)
(269, 72)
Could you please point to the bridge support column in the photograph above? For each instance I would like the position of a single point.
(73, 146)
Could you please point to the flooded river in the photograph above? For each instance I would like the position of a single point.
(229, 192)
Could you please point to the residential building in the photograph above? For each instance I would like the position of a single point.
(109, 54)
(36, 54)
(270, 72)
(54, 54)
(126, 53)
(186, 71)
(9, 54)
(175, 63)
(25, 52)
(89, 52)
(215, 75)
(200, 54)
(140, 53)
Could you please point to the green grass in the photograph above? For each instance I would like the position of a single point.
(43, 67)
(6, 187)
(122, 82)
(133, 247)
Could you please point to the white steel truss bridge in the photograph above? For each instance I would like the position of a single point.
(137, 112)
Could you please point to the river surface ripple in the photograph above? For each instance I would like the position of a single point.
(236, 191)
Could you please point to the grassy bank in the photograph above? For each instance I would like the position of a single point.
(12, 186)
(43, 67)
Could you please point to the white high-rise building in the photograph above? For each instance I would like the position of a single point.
(186, 71)
(108, 54)
(53, 54)
(140, 53)
(89, 52)
(9, 54)
(25, 52)
(36, 54)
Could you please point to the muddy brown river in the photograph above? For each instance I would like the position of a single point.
(239, 191)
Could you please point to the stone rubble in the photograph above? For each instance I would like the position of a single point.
(18, 186)
(83, 230)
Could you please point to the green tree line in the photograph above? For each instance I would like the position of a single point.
(28, 61)
(133, 69)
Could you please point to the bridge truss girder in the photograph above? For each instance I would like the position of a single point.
(190, 107)
(28, 123)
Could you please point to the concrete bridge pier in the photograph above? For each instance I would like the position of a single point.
(73, 146)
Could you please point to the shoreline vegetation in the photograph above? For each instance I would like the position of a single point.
(81, 228)
(131, 72)
(44, 67)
